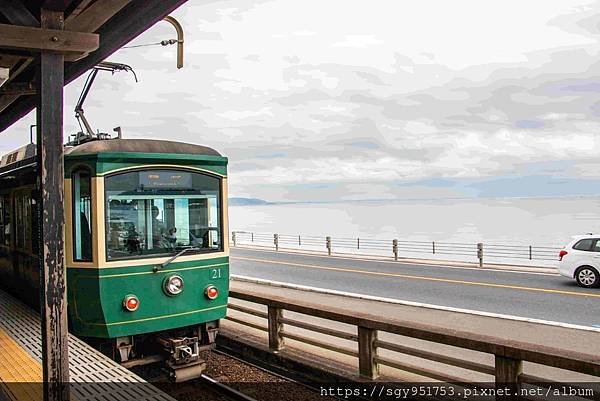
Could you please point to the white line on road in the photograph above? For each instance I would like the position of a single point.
(594, 328)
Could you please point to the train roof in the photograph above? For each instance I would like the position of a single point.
(140, 146)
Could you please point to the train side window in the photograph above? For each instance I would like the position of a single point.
(6, 218)
(2, 221)
(82, 215)
(21, 217)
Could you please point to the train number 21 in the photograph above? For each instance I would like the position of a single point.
(215, 273)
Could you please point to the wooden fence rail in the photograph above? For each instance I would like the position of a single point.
(508, 354)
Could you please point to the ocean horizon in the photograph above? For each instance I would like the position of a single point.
(541, 221)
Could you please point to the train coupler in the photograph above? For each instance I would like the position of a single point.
(183, 357)
(180, 350)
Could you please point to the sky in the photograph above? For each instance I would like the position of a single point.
(342, 100)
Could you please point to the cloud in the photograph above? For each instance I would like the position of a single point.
(308, 106)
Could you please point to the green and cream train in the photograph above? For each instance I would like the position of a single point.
(145, 246)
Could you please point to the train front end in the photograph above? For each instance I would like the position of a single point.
(146, 249)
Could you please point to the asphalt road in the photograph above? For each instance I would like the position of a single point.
(532, 295)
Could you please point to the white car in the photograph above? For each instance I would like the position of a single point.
(580, 260)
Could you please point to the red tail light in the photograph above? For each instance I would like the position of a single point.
(211, 292)
(561, 254)
(131, 303)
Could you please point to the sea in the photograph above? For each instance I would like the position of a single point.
(547, 222)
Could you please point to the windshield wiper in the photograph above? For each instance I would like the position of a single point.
(168, 262)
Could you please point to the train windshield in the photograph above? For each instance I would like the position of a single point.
(157, 212)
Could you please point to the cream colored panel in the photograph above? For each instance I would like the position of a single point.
(225, 208)
(99, 233)
(158, 261)
(179, 167)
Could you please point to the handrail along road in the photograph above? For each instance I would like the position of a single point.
(509, 355)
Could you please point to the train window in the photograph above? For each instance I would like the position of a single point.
(3, 221)
(6, 216)
(158, 212)
(22, 211)
(82, 215)
(35, 232)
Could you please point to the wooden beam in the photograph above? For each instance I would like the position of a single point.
(508, 383)
(55, 5)
(134, 19)
(78, 9)
(96, 15)
(274, 316)
(6, 101)
(53, 290)
(44, 39)
(17, 13)
(367, 353)
(19, 89)
(92, 18)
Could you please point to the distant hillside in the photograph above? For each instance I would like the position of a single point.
(246, 202)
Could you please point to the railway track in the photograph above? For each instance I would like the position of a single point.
(228, 391)
(231, 378)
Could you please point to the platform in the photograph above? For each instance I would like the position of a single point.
(93, 375)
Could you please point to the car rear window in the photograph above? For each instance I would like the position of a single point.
(584, 244)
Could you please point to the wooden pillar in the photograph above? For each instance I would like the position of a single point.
(367, 353)
(53, 292)
(275, 328)
(508, 371)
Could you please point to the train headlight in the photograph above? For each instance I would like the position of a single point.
(211, 292)
(131, 303)
(173, 285)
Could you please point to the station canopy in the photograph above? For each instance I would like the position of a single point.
(93, 30)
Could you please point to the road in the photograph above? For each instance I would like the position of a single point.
(542, 296)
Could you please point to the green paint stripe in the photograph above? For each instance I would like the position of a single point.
(157, 317)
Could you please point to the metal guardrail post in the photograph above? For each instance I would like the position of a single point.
(358, 243)
(433, 247)
(276, 241)
(480, 253)
(508, 371)
(328, 245)
(299, 240)
(233, 239)
(530, 253)
(367, 353)
(252, 237)
(276, 341)
(395, 248)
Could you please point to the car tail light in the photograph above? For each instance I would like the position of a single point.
(131, 303)
(211, 292)
(561, 254)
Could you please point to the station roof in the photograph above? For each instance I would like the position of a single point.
(116, 21)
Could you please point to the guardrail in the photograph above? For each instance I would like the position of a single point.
(507, 369)
(397, 247)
